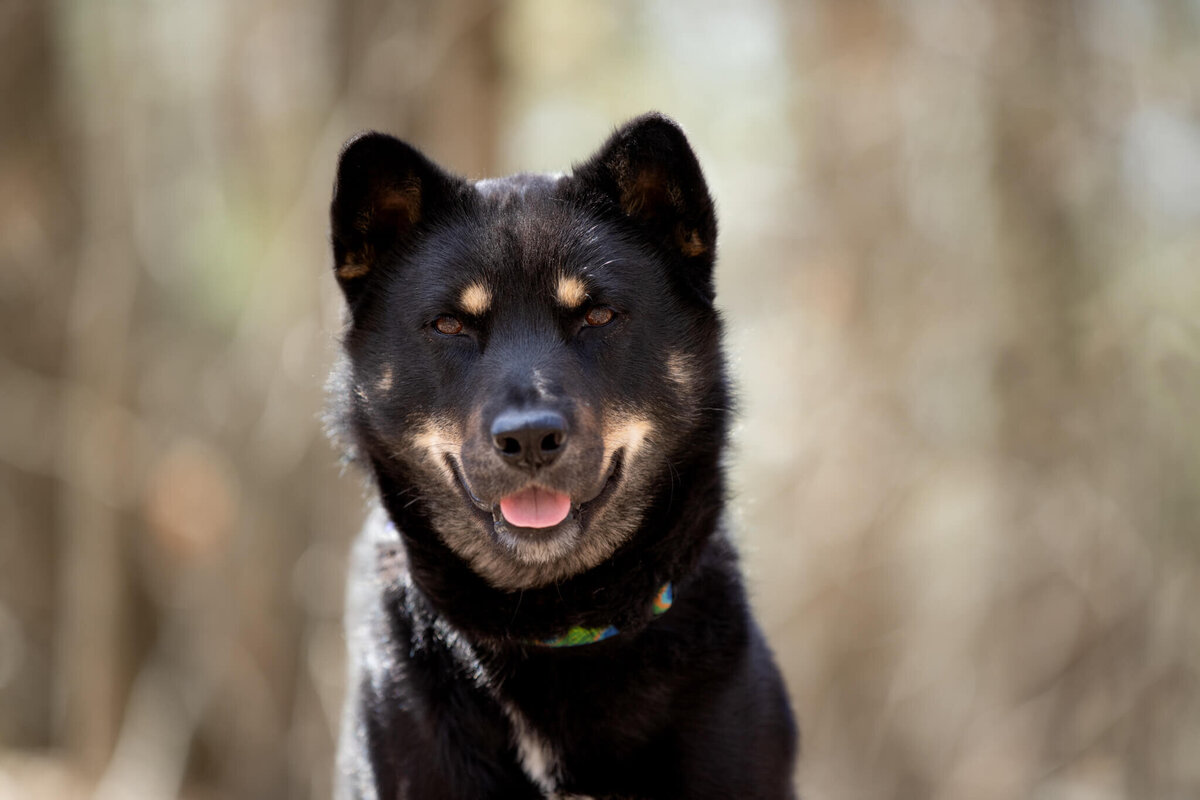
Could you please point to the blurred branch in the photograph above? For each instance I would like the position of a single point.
(151, 754)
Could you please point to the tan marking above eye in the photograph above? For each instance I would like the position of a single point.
(475, 299)
(570, 291)
(448, 325)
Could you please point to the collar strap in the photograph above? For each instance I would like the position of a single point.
(578, 634)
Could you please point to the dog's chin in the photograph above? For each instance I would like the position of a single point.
(535, 546)
(546, 546)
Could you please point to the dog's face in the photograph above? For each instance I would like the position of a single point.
(526, 355)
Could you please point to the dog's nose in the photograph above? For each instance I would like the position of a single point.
(529, 438)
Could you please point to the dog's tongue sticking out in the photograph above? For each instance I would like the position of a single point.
(535, 508)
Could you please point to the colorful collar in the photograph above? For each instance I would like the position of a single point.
(578, 634)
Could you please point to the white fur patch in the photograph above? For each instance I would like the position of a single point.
(538, 760)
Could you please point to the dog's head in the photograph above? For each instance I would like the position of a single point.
(527, 356)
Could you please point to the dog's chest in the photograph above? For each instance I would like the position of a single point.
(539, 759)
(542, 761)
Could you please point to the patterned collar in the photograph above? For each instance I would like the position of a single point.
(578, 634)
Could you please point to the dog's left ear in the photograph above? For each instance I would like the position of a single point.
(648, 169)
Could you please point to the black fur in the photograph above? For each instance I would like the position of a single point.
(447, 597)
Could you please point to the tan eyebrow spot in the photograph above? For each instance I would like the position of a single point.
(475, 299)
(570, 291)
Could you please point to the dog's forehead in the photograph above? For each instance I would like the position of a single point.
(515, 188)
(527, 218)
(524, 233)
(531, 242)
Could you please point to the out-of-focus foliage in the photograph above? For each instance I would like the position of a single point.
(961, 271)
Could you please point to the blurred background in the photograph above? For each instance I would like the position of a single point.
(961, 272)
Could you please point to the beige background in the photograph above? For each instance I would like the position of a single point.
(961, 271)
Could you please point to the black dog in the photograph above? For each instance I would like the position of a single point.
(547, 603)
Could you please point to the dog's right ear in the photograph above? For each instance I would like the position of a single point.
(385, 189)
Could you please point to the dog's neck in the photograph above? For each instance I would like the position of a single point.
(578, 635)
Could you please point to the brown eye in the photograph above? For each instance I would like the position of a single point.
(448, 325)
(599, 316)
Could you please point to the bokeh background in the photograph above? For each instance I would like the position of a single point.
(961, 272)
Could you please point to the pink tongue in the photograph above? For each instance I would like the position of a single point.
(535, 508)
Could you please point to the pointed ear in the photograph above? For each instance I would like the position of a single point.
(649, 171)
(385, 189)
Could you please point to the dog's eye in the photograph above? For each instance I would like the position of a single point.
(448, 325)
(599, 316)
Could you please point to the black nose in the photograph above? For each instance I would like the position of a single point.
(529, 438)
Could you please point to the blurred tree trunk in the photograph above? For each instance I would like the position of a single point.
(1076, 425)
(427, 71)
(973, 168)
(96, 660)
(1039, 99)
(861, 269)
(37, 236)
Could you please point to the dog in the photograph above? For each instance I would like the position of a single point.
(545, 601)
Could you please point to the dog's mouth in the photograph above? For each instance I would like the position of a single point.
(538, 514)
